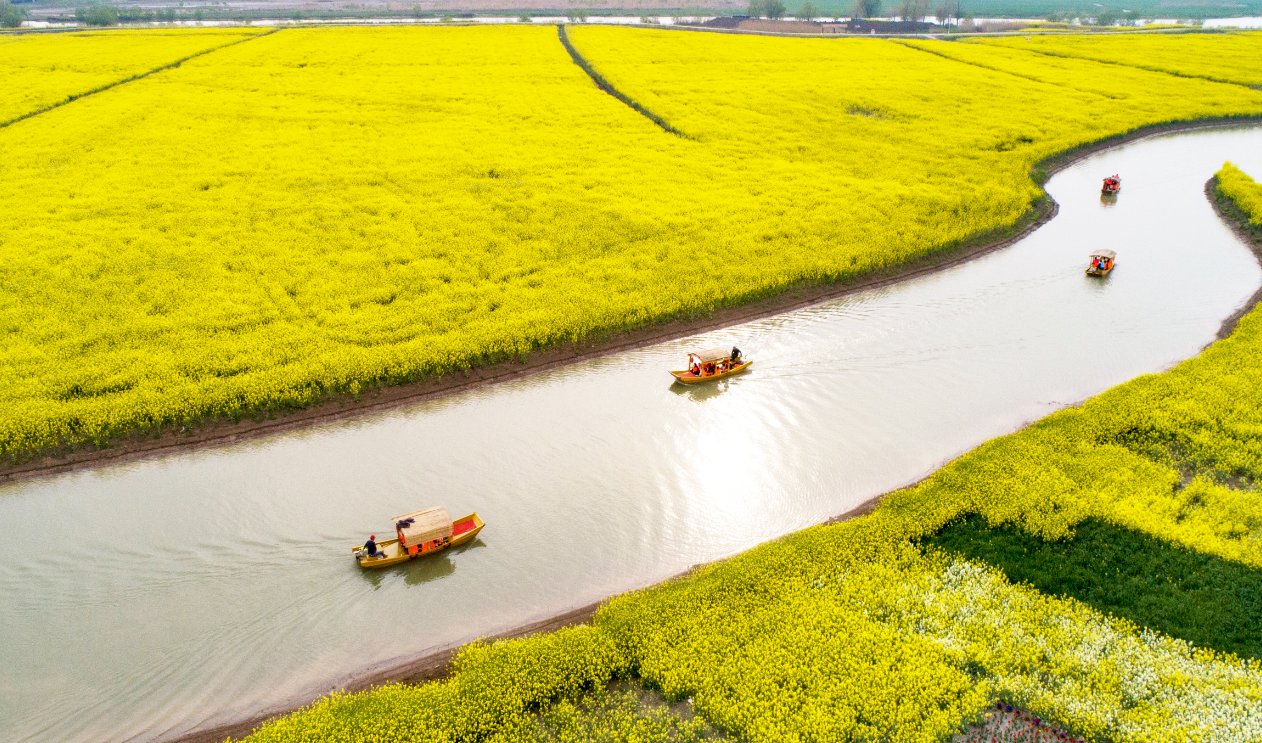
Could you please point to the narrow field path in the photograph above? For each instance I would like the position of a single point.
(131, 78)
(991, 68)
(608, 87)
(1146, 68)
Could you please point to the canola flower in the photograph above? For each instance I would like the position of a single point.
(1234, 184)
(37, 70)
(1111, 85)
(1230, 57)
(1096, 676)
(320, 211)
(845, 632)
(852, 632)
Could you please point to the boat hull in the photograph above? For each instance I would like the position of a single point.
(463, 530)
(687, 377)
(1093, 271)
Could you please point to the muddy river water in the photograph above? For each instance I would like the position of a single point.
(143, 600)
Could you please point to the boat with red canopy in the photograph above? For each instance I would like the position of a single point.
(1102, 261)
(420, 534)
(712, 364)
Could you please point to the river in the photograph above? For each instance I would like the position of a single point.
(146, 599)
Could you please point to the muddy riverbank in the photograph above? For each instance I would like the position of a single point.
(218, 433)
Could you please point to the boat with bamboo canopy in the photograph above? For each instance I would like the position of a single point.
(712, 364)
(1102, 262)
(419, 534)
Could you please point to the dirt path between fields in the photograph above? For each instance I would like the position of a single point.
(71, 98)
(217, 433)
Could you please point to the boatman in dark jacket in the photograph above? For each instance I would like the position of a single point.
(370, 547)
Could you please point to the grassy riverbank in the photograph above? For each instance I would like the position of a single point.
(393, 205)
(857, 631)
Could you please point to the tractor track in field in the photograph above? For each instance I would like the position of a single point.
(132, 78)
(608, 87)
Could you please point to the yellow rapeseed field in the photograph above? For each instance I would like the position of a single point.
(319, 210)
(1232, 57)
(37, 70)
(854, 632)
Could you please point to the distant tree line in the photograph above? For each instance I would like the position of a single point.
(772, 9)
(866, 9)
(948, 12)
(1105, 17)
(97, 14)
(102, 14)
(11, 16)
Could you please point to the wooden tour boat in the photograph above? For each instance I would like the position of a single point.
(1112, 184)
(712, 364)
(420, 534)
(1102, 262)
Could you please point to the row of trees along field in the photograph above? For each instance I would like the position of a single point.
(908, 10)
(102, 14)
(11, 16)
(948, 12)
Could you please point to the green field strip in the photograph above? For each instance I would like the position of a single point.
(608, 87)
(131, 78)
(1201, 598)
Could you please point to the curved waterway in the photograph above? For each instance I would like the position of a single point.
(140, 601)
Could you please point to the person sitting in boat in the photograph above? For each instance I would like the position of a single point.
(370, 547)
(695, 368)
(736, 356)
